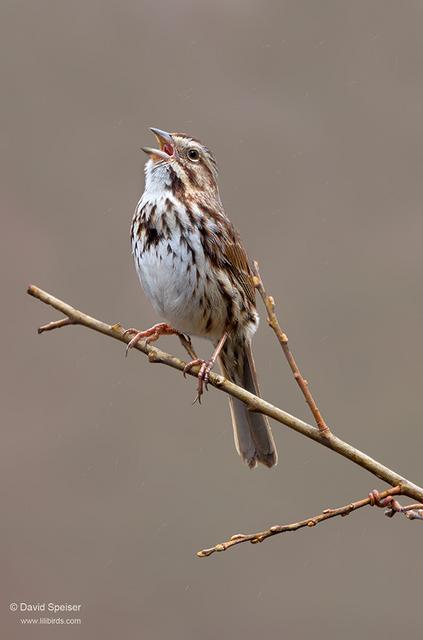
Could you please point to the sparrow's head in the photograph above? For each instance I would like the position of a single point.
(180, 162)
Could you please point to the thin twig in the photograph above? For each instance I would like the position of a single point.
(239, 538)
(255, 403)
(56, 324)
(409, 507)
(283, 340)
(411, 511)
(414, 514)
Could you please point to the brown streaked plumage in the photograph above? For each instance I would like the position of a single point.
(196, 273)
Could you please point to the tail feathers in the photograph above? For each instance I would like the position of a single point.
(252, 433)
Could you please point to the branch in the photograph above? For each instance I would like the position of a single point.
(253, 402)
(273, 323)
(411, 511)
(56, 324)
(384, 499)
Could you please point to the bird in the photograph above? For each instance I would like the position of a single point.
(195, 272)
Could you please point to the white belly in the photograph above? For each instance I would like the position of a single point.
(168, 285)
(174, 284)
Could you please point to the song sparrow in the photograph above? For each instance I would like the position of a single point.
(196, 274)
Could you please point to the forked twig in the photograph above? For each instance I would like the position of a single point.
(273, 323)
(399, 484)
(384, 499)
(255, 403)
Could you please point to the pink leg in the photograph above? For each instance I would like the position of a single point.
(205, 368)
(150, 335)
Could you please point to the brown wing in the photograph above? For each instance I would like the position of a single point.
(238, 262)
(228, 243)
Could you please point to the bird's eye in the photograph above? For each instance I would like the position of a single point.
(193, 154)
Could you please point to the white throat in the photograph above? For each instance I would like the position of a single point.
(157, 180)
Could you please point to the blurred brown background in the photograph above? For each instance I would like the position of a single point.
(110, 479)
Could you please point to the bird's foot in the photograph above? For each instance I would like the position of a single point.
(203, 374)
(149, 335)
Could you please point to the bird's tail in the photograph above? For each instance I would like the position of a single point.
(252, 433)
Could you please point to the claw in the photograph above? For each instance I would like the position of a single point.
(203, 375)
(149, 335)
(137, 337)
(205, 367)
(190, 365)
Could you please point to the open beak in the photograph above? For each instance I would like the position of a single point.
(167, 146)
